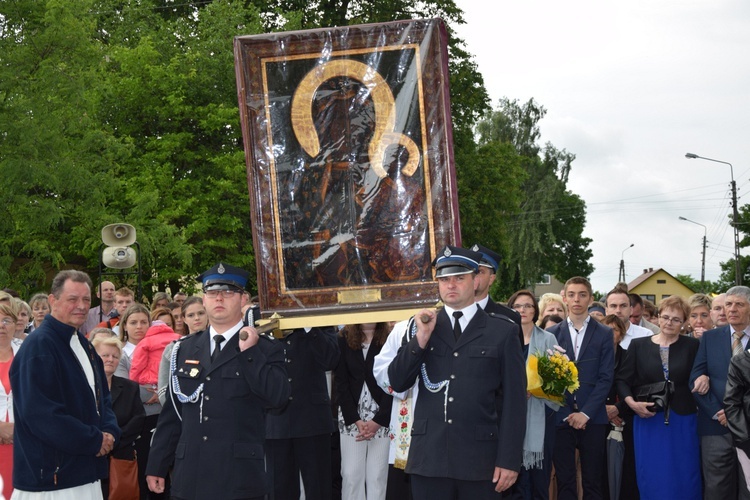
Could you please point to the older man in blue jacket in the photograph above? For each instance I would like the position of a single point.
(64, 423)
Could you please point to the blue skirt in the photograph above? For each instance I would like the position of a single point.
(667, 457)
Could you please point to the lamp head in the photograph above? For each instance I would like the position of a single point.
(681, 218)
(692, 156)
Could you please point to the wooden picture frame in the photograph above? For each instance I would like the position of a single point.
(348, 145)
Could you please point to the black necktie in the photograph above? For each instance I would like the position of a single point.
(217, 349)
(456, 324)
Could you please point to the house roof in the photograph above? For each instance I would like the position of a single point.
(643, 277)
(646, 275)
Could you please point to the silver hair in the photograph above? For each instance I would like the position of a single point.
(740, 291)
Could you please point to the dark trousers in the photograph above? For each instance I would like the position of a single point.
(308, 456)
(442, 488)
(399, 485)
(591, 443)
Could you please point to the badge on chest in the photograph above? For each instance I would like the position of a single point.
(190, 368)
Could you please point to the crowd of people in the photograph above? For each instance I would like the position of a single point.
(183, 399)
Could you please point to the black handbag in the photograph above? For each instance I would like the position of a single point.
(659, 393)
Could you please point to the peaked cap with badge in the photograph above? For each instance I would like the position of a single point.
(453, 261)
(223, 274)
(489, 258)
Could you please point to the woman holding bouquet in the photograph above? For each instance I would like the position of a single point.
(667, 457)
(534, 478)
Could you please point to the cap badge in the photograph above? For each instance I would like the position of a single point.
(447, 252)
(221, 268)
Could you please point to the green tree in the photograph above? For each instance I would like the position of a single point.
(695, 283)
(544, 233)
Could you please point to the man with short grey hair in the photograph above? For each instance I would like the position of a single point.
(718, 458)
(65, 426)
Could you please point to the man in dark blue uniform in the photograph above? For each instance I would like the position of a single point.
(299, 437)
(213, 424)
(485, 278)
(470, 417)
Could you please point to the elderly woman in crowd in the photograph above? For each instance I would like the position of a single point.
(8, 350)
(39, 309)
(667, 456)
(364, 413)
(534, 478)
(551, 303)
(126, 399)
(699, 320)
(23, 312)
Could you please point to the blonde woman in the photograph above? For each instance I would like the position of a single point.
(549, 304)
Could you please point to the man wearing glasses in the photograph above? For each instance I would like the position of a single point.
(213, 425)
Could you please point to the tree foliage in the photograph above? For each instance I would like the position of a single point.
(117, 111)
(537, 223)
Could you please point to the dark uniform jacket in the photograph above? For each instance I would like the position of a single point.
(308, 410)
(481, 424)
(737, 400)
(217, 441)
(714, 354)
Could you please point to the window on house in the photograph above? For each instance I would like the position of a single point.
(652, 298)
(661, 282)
(546, 280)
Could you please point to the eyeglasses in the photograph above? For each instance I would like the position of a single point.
(674, 321)
(7, 322)
(520, 307)
(229, 293)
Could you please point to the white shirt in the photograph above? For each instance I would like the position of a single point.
(227, 335)
(634, 332)
(468, 314)
(577, 336)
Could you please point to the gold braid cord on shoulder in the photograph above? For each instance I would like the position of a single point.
(385, 112)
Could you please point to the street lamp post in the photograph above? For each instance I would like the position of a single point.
(735, 216)
(621, 277)
(703, 262)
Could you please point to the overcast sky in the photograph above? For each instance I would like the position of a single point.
(629, 88)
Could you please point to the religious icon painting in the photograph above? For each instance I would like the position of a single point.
(348, 144)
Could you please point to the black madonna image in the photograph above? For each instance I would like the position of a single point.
(354, 202)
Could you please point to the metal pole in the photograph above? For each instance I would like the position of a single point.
(735, 216)
(703, 261)
(621, 276)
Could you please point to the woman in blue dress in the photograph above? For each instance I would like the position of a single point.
(667, 457)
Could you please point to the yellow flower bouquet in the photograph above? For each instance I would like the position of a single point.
(551, 374)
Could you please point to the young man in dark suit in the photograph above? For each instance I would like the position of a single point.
(468, 365)
(582, 421)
